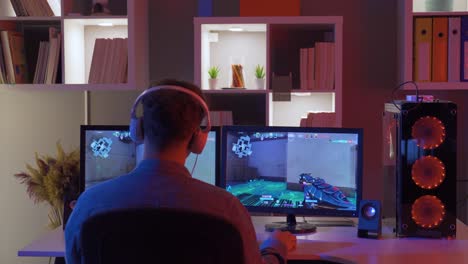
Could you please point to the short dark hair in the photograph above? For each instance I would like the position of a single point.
(170, 116)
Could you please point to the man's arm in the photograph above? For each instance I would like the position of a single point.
(273, 251)
(72, 234)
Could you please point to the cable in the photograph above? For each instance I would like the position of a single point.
(194, 164)
(418, 99)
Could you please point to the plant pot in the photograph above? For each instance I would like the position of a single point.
(260, 83)
(212, 83)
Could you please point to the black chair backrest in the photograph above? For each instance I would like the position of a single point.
(159, 236)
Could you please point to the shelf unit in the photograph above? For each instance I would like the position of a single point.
(79, 30)
(409, 10)
(272, 42)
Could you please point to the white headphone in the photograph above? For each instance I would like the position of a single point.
(198, 140)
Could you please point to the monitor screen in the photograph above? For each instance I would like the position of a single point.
(108, 152)
(293, 170)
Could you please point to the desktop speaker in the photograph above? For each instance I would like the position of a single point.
(420, 139)
(370, 220)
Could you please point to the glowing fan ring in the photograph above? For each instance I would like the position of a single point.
(429, 132)
(428, 172)
(428, 211)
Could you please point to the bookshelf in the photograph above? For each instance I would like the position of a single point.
(409, 11)
(275, 43)
(79, 28)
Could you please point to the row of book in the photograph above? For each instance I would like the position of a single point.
(317, 66)
(110, 61)
(319, 119)
(13, 67)
(440, 49)
(33, 7)
(13, 64)
(48, 59)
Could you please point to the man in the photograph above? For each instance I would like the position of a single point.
(171, 124)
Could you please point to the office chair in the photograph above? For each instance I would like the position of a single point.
(159, 235)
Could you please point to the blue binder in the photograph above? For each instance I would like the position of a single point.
(464, 46)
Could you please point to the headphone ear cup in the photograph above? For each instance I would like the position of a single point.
(198, 142)
(136, 130)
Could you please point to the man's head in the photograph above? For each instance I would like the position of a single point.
(171, 117)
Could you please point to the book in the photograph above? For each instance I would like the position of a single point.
(18, 57)
(3, 78)
(422, 49)
(7, 56)
(52, 59)
(439, 49)
(454, 49)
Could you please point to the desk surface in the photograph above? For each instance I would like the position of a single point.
(328, 242)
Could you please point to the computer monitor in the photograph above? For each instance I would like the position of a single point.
(293, 171)
(107, 151)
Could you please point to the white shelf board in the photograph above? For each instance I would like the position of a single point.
(31, 18)
(439, 86)
(235, 91)
(86, 21)
(66, 87)
(455, 13)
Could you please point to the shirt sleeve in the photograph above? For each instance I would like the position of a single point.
(72, 234)
(271, 251)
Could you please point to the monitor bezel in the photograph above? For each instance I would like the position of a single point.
(296, 211)
(85, 128)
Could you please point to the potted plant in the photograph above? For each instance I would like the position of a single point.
(213, 72)
(260, 76)
(52, 180)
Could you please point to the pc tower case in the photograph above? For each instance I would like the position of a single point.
(419, 158)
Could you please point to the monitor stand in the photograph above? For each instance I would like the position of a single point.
(292, 226)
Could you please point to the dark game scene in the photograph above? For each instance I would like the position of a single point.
(292, 169)
(108, 154)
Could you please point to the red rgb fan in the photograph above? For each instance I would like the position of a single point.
(428, 172)
(429, 132)
(428, 211)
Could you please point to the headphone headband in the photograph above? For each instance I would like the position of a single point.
(175, 88)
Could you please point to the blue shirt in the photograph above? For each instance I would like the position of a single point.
(157, 183)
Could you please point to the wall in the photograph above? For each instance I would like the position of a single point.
(31, 121)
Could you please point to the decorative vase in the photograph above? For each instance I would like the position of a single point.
(260, 83)
(212, 83)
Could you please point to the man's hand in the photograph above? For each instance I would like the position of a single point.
(285, 238)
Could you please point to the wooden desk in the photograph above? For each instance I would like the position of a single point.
(334, 242)
(343, 243)
(51, 244)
